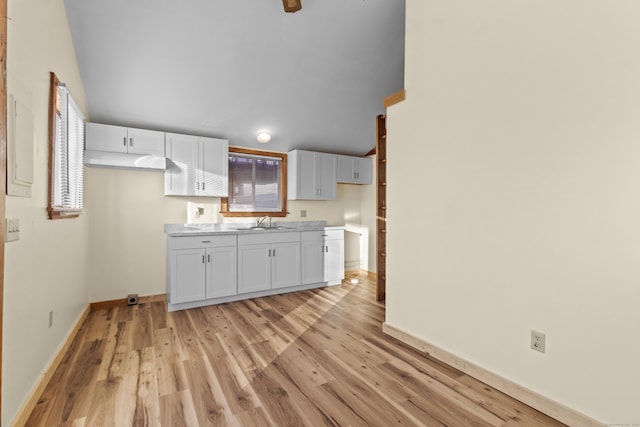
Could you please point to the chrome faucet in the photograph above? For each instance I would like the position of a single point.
(261, 220)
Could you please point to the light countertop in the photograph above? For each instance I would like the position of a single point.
(175, 230)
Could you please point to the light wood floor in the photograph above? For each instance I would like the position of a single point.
(315, 358)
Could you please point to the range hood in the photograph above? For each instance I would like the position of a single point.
(106, 159)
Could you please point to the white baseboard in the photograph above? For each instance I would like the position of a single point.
(30, 403)
(537, 401)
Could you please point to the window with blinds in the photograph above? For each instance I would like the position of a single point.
(66, 153)
(257, 183)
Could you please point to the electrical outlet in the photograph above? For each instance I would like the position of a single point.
(51, 318)
(303, 213)
(538, 341)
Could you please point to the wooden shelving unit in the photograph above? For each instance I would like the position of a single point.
(381, 203)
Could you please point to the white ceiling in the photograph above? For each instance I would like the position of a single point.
(229, 68)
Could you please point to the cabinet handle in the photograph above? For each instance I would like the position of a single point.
(326, 248)
(203, 186)
(269, 252)
(203, 259)
(274, 252)
(124, 141)
(198, 185)
(130, 142)
(206, 241)
(209, 258)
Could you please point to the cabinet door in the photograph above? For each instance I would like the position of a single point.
(306, 176)
(346, 172)
(326, 176)
(213, 170)
(101, 137)
(334, 260)
(182, 153)
(187, 275)
(363, 167)
(142, 141)
(254, 268)
(285, 265)
(312, 264)
(222, 270)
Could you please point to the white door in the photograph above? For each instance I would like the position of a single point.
(363, 169)
(254, 268)
(214, 155)
(106, 138)
(143, 141)
(222, 270)
(326, 176)
(307, 188)
(285, 264)
(312, 262)
(187, 271)
(182, 153)
(346, 171)
(334, 260)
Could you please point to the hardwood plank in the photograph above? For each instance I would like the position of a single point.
(169, 371)
(147, 411)
(208, 411)
(314, 358)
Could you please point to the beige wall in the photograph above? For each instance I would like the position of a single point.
(39, 276)
(514, 194)
(127, 212)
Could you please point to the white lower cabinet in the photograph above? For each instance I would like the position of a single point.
(323, 256)
(211, 269)
(200, 268)
(268, 261)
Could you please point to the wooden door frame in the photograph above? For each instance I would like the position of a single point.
(3, 161)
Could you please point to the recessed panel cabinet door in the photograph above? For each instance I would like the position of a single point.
(101, 137)
(334, 260)
(222, 270)
(182, 152)
(187, 275)
(326, 165)
(312, 262)
(143, 141)
(214, 167)
(285, 265)
(306, 176)
(254, 268)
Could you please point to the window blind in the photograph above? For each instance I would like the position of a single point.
(68, 176)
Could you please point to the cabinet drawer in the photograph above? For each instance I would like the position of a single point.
(312, 236)
(321, 235)
(334, 234)
(188, 242)
(260, 238)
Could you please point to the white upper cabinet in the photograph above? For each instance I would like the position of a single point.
(355, 170)
(311, 175)
(118, 139)
(198, 166)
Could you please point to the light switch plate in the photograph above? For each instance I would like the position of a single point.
(12, 230)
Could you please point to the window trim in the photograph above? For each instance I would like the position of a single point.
(55, 212)
(224, 201)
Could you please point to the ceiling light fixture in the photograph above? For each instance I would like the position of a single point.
(292, 5)
(263, 137)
